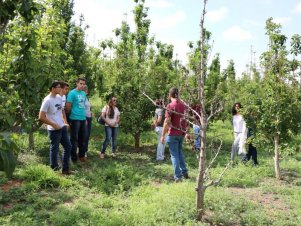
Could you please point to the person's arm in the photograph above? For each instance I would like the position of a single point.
(165, 128)
(65, 118)
(68, 107)
(117, 120)
(43, 118)
(159, 120)
(104, 117)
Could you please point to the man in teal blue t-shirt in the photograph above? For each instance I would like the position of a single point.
(76, 106)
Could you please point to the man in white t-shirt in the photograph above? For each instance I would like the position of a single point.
(52, 114)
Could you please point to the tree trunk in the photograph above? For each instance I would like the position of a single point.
(200, 190)
(137, 140)
(201, 74)
(31, 140)
(276, 157)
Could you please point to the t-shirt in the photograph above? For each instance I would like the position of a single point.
(178, 122)
(160, 112)
(197, 136)
(88, 108)
(111, 120)
(52, 106)
(238, 123)
(64, 101)
(77, 98)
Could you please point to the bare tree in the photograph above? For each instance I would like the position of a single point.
(203, 180)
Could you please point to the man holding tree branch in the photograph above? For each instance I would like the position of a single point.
(175, 126)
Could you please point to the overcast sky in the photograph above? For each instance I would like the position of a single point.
(236, 25)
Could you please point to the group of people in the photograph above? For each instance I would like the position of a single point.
(171, 128)
(61, 111)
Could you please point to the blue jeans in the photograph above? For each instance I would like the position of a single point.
(88, 132)
(57, 137)
(111, 133)
(177, 156)
(78, 134)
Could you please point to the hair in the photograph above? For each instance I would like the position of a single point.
(54, 84)
(174, 92)
(64, 84)
(159, 102)
(80, 79)
(234, 112)
(111, 109)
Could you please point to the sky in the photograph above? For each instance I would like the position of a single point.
(237, 26)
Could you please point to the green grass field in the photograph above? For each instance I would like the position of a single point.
(133, 189)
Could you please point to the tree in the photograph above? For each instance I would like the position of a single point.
(277, 113)
(32, 55)
(138, 64)
(296, 50)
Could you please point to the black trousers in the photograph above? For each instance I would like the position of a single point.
(252, 153)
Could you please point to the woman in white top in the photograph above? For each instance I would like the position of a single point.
(240, 132)
(111, 115)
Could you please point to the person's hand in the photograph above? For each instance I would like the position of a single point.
(162, 139)
(56, 126)
(187, 136)
(67, 125)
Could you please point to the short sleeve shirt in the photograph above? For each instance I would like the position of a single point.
(160, 112)
(78, 99)
(178, 122)
(108, 119)
(52, 106)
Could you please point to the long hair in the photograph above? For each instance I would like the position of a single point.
(234, 112)
(111, 108)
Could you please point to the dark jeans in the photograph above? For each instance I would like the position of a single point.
(57, 137)
(88, 132)
(78, 134)
(252, 153)
(111, 133)
(177, 156)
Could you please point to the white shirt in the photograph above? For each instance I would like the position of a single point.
(111, 120)
(238, 124)
(88, 108)
(64, 101)
(52, 106)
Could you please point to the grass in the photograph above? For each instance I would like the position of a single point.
(133, 189)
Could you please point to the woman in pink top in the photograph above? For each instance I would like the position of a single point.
(111, 115)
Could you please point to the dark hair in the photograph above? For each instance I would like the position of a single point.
(159, 102)
(234, 112)
(80, 79)
(64, 84)
(54, 84)
(111, 109)
(174, 92)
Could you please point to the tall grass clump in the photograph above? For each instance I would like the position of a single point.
(44, 177)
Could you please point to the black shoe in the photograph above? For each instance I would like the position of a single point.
(255, 164)
(74, 161)
(66, 172)
(186, 176)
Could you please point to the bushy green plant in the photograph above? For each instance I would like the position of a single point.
(117, 178)
(8, 149)
(44, 177)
